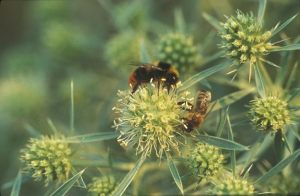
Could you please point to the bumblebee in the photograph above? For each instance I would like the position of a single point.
(196, 114)
(163, 73)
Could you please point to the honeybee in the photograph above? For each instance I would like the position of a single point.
(163, 73)
(196, 114)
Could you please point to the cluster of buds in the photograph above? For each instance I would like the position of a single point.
(244, 39)
(47, 159)
(205, 161)
(269, 113)
(102, 186)
(233, 186)
(178, 50)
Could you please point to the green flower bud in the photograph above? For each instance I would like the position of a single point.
(102, 186)
(244, 39)
(233, 186)
(270, 113)
(47, 159)
(149, 119)
(178, 50)
(205, 160)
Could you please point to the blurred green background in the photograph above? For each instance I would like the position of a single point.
(44, 44)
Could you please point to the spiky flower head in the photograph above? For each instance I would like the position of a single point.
(47, 159)
(244, 39)
(150, 119)
(178, 50)
(205, 160)
(102, 186)
(270, 113)
(233, 186)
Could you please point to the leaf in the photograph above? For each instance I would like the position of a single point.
(279, 28)
(221, 125)
(230, 99)
(292, 76)
(261, 10)
(17, 185)
(121, 188)
(179, 21)
(65, 187)
(202, 75)
(259, 81)
(222, 143)
(293, 93)
(232, 153)
(92, 137)
(213, 21)
(286, 48)
(144, 55)
(174, 172)
(278, 167)
(72, 107)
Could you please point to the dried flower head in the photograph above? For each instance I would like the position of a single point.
(269, 113)
(205, 160)
(149, 119)
(244, 38)
(102, 186)
(233, 186)
(178, 50)
(47, 159)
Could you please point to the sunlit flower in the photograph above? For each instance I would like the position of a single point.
(150, 119)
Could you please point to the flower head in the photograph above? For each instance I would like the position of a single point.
(47, 159)
(233, 186)
(149, 119)
(205, 160)
(269, 113)
(178, 50)
(102, 186)
(244, 39)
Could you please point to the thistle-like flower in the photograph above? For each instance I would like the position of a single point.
(244, 38)
(205, 160)
(178, 50)
(47, 159)
(150, 119)
(233, 186)
(270, 113)
(102, 186)
(245, 41)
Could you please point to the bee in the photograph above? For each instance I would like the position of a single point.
(163, 73)
(196, 114)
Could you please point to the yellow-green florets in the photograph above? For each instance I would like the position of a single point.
(149, 119)
(233, 186)
(205, 160)
(178, 50)
(47, 159)
(283, 185)
(244, 39)
(102, 186)
(270, 113)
